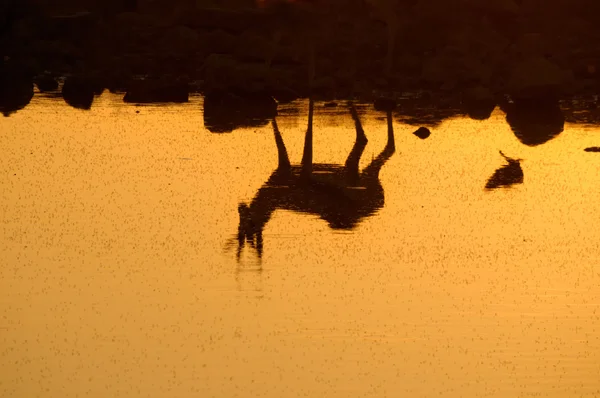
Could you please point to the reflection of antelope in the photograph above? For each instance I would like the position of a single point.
(340, 195)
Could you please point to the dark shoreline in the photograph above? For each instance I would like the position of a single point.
(465, 50)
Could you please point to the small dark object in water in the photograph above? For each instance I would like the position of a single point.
(331, 104)
(592, 149)
(384, 104)
(422, 132)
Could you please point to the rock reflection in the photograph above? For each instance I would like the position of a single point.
(535, 122)
(426, 111)
(148, 91)
(341, 195)
(507, 175)
(479, 103)
(16, 92)
(479, 109)
(79, 92)
(46, 83)
(224, 113)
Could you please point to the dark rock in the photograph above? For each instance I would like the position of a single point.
(422, 132)
(46, 83)
(16, 92)
(234, 20)
(225, 112)
(479, 110)
(479, 103)
(529, 45)
(384, 104)
(253, 47)
(180, 40)
(592, 149)
(157, 90)
(324, 85)
(426, 111)
(219, 42)
(108, 8)
(79, 92)
(537, 77)
(11, 11)
(284, 95)
(535, 122)
(225, 73)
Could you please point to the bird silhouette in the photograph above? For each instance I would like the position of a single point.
(507, 175)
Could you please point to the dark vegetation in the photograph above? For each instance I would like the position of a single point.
(527, 48)
(451, 57)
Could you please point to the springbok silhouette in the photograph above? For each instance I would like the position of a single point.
(341, 195)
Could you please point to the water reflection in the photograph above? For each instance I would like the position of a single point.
(426, 111)
(80, 92)
(340, 195)
(16, 92)
(507, 175)
(479, 109)
(535, 123)
(114, 282)
(46, 83)
(224, 113)
(148, 91)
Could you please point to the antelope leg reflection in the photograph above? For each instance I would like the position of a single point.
(340, 195)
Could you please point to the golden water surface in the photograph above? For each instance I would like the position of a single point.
(119, 275)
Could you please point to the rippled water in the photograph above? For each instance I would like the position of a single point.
(120, 275)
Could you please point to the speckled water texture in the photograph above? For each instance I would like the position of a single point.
(119, 274)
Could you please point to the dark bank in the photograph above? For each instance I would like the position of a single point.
(328, 48)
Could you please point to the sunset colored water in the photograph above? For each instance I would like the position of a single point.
(120, 275)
